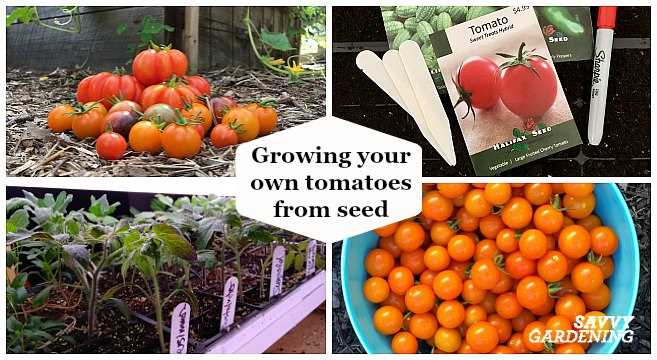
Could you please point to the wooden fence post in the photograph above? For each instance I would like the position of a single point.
(190, 36)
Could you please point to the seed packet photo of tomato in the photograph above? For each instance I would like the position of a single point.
(526, 91)
(560, 269)
(506, 93)
(156, 91)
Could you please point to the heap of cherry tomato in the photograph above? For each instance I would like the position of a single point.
(158, 108)
(486, 265)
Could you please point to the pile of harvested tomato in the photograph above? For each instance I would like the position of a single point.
(493, 268)
(158, 108)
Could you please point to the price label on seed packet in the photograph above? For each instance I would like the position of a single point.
(311, 251)
(229, 302)
(329, 179)
(179, 329)
(277, 270)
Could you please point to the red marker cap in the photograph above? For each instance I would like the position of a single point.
(606, 17)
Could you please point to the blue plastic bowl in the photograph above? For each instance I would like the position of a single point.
(611, 209)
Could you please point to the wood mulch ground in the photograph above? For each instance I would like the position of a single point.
(32, 150)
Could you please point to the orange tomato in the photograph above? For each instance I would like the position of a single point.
(181, 141)
(145, 136)
(60, 118)
(244, 123)
(266, 115)
(197, 113)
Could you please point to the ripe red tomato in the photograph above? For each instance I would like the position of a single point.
(173, 93)
(475, 82)
(181, 141)
(107, 87)
(158, 64)
(527, 85)
(222, 136)
(60, 118)
(200, 83)
(145, 136)
(111, 146)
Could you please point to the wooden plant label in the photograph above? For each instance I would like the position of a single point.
(311, 251)
(179, 329)
(277, 270)
(229, 302)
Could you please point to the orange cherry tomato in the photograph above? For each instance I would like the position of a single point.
(604, 241)
(485, 274)
(507, 240)
(388, 320)
(574, 241)
(538, 194)
(447, 340)
(520, 322)
(532, 292)
(587, 277)
(400, 279)
(423, 326)
(436, 258)
(420, 299)
(533, 335)
(558, 325)
(404, 343)
(570, 305)
(533, 244)
(505, 284)
(482, 336)
(145, 136)
(450, 314)
(413, 260)
(589, 222)
(436, 207)
(579, 207)
(490, 225)
(472, 294)
(396, 301)
(548, 219)
(517, 344)
(553, 266)
(570, 348)
(441, 232)
(387, 230)
(379, 262)
(606, 264)
(507, 305)
(519, 266)
(376, 289)
(517, 213)
(497, 194)
(453, 190)
(578, 190)
(476, 204)
(447, 285)
(388, 244)
(503, 327)
(473, 314)
(461, 247)
(409, 236)
(486, 249)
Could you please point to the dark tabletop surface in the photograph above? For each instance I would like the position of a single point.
(638, 201)
(625, 147)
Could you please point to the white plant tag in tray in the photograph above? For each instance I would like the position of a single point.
(311, 252)
(229, 302)
(277, 270)
(179, 329)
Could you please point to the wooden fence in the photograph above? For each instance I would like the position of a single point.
(222, 37)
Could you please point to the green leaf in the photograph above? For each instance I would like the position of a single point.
(289, 260)
(121, 29)
(173, 242)
(276, 40)
(24, 14)
(18, 220)
(298, 262)
(41, 297)
(517, 132)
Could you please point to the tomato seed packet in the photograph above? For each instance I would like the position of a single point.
(567, 29)
(505, 91)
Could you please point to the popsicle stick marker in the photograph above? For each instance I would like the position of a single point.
(277, 270)
(179, 329)
(311, 252)
(601, 61)
(229, 303)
